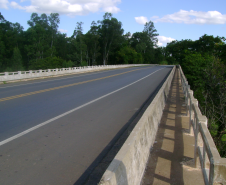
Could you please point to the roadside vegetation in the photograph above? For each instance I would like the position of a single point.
(42, 46)
(204, 64)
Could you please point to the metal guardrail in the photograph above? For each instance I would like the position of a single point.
(212, 165)
(18, 75)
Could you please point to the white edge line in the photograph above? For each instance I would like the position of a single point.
(68, 112)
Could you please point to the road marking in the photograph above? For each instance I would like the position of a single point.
(60, 87)
(68, 112)
(92, 73)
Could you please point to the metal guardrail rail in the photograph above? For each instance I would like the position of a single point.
(212, 165)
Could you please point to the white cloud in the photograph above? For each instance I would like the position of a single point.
(69, 7)
(112, 9)
(193, 17)
(162, 40)
(4, 4)
(141, 20)
(62, 30)
(15, 5)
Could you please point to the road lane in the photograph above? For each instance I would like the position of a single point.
(32, 110)
(60, 152)
(8, 90)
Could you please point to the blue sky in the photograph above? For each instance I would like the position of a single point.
(173, 19)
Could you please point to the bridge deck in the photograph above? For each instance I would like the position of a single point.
(171, 158)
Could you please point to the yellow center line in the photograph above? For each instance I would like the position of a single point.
(60, 87)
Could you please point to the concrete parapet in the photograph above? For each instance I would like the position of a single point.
(212, 165)
(12, 76)
(128, 166)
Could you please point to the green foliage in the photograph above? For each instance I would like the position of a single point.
(163, 62)
(207, 74)
(84, 63)
(223, 138)
(150, 30)
(127, 55)
(104, 43)
(207, 44)
(194, 65)
(111, 35)
(67, 64)
(213, 127)
(47, 63)
(16, 61)
(144, 43)
(203, 62)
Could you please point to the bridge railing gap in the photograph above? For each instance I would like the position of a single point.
(212, 165)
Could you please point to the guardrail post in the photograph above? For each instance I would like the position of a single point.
(6, 73)
(187, 98)
(191, 114)
(196, 131)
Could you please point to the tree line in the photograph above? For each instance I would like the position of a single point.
(204, 63)
(42, 46)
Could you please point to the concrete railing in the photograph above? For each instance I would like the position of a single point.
(128, 166)
(212, 165)
(19, 75)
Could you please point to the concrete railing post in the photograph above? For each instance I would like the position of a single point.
(196, 131)
(30, 73)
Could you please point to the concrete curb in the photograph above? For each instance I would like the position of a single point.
(129, 164)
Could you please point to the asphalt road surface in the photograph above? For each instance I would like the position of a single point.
(52, 131)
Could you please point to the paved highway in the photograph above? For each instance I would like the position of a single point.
(52, 131)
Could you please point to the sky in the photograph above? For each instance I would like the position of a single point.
(173, 19)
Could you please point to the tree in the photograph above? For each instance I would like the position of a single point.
(92, 42)
(149, 28)
(37, 43)
(78, 42)
(110, 30)
(214, 104)
(54, 21)
(16, 64)
(142, 43)
(127, 55)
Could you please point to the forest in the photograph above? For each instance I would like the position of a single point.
(204, 64)
(42, 46)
